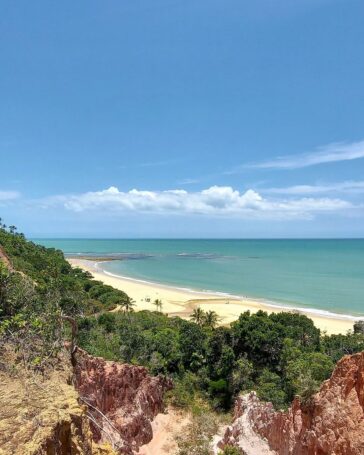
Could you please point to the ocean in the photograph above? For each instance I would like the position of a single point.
(325, 275)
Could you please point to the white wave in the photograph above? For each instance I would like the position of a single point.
(267, 303)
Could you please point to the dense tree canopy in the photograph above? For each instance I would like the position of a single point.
(47, 267)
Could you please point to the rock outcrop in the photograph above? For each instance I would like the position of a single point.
(122, 400)
(43, 416)
(331, 424)
(94, 407)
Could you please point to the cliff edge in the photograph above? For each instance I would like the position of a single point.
(122, 400)
(43, 416)
(332, 423)
(95, 408)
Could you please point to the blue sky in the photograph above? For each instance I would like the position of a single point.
(182, 118)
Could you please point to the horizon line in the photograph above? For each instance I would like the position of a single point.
(195, 238)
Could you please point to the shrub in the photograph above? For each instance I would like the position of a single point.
(269, 388)
(359, 327)
(197, 436)
(231, 450)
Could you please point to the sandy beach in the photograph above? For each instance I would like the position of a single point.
(181, 302)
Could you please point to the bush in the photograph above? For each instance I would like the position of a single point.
(108, 321)
(359, 327)
(231, 450)
(269, 388)
(336, 346)
(184, 390)
(197, 436)
(241, 377)
(30, 324)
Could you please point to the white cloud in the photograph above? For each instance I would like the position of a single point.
(9, 195)
(213, 201)
(188, 181)
(349, 187)
(326, 154)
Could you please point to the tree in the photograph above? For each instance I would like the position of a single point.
(165, 341)
(305, 373)
(269, 388)
(259, 337)
(210, 319)
(220, 356)
(241, 376)
(336, 346)
(198, 316)
(128, 305)
(158, 303)
(192, 341)
(299, 328)
(359, 327)
(12, 229)
(108, 321)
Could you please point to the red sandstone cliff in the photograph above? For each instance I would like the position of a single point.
(41, 415)
(122, 400)
(332, 424)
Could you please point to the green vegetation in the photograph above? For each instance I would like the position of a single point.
(79, 294)
(158, 304)
(38, 290)
(196, 437)
(204, 319)
(279, 355)
(359, 327)
(29, 322)
(230, 450)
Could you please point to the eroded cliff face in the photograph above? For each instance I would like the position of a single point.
(43, 416)
(122, 400)
(333, 423)
(94, 407)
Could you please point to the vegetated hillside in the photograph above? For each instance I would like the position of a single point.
(38, 291)
(47, 267)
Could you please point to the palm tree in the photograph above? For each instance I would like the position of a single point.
(211, 319)
(12, 229)
(127, 305)
(158, 303)
(198, 316)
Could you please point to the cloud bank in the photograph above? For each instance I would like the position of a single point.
(349, 187)
(9, 195)
(326, 154)
(213, 201)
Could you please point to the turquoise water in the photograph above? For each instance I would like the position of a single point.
(326, 275)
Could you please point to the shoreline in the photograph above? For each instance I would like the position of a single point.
(181, 301)
(206, 293)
